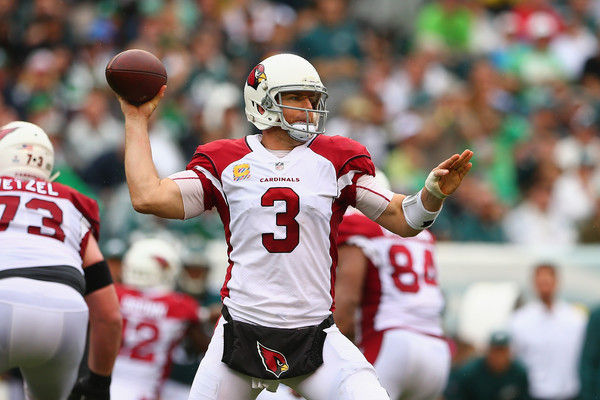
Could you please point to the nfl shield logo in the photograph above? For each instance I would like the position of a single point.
(279, 165)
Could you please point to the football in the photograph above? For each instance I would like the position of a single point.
(136, 75)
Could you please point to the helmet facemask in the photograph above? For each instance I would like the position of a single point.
(316, 117)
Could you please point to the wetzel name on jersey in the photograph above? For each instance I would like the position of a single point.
(40, 187)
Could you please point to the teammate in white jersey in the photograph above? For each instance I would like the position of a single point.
(53, 277)
(281, 196)
(389, 301)
(155, 319)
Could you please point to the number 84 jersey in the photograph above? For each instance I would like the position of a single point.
(280, 216)
(401, 285)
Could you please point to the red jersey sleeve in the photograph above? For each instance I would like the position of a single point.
(214, 157)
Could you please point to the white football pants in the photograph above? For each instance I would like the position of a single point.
(42, 332)
(412, 366)
(344, 375)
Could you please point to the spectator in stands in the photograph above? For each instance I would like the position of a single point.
(534, 220)
(444, 26)
(582, 141)
(92, 132)
(526, 11)
(333, 46)
(539, 65)
(588, 231)
(574, 45)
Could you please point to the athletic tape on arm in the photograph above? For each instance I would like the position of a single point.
(433, 186)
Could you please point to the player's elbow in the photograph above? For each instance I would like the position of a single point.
(142, 204)
(147, 203)
(164, 200)
(407, 231)
(110, 320)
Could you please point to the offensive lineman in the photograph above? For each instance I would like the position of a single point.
(281, 196)
(53, 277)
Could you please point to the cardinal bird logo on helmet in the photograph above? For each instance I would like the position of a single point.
(161, 261)
(257, 75)
(274, 361)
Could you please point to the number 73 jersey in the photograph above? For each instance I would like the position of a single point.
(280, 216)
(44, 224)
(401, 287)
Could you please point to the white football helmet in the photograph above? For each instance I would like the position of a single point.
(25, 151)
(196, 266)
(151, 263)
(285, 73)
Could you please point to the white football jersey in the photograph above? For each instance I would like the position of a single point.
(153, 323)
(401, 288)
(36, 215)
(280, 217)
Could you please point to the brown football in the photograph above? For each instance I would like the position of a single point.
(136, 75)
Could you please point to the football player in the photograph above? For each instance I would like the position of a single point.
(389, 301)
(53, 277)
(155, 319)
(281, 195)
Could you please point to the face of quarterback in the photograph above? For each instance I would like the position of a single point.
(307, 100)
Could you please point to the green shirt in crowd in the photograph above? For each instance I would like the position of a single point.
(475, 381)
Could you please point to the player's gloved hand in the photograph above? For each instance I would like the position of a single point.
(91, 387)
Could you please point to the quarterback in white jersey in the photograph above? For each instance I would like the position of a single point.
(155, 320)
(281, 195)
(52, 275)
(389, 283)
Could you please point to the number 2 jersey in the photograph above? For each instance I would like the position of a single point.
(154, 322)
(281, 216)
(401, 288)
(45, 224)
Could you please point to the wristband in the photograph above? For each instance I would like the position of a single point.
(415, 213)
(433, 186)
(99, 381)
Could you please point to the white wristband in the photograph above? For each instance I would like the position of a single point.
(415, 213)
(433, 186)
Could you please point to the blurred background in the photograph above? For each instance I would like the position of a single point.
(415, 81)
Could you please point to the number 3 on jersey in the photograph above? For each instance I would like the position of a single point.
(287, 219)
(404, 275)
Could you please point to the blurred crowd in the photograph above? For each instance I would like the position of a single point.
(518, 82)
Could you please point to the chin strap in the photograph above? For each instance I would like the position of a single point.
(54, 176)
